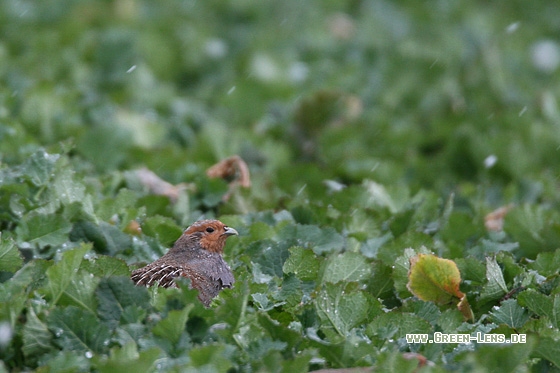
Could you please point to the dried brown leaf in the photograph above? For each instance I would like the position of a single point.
(494, 221)
(158, 186)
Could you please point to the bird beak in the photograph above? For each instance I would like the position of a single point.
(230, 232)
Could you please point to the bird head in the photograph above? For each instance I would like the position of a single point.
(211, 234)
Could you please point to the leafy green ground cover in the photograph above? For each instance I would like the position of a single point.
(374, 131)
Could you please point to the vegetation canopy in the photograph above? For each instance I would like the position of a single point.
(391, 168)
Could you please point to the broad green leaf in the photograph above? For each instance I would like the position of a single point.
(106, 238)
(128, 359)
(320, 240)
(28, 278)
(346, 267)
(400, 269)
(37, 339)
(43, 229)
(496, 287)
(173, 325)
(397, 362)
(60, 275)
(536, 228)
(434, 279)
(340, 310)
(80, 291)
(549, 349)
(546, 264)
(503, 357)
(472, 270)
(396, 325)
(106, 266)
(10, 257)
(213, 357)
(67, 190)
(510, 313)
(350, 352)
(12, 302)
(68, 361)
(39, 167)
(116, 295)
(270, 256)
(303, 263)
(394, 200)
(162, 228)
(370, 247)
(124, 200)
(78, 330)
(542, 305)
(278, 331)
(290, 292)
(380, 283)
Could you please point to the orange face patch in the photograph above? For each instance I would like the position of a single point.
(213, 234)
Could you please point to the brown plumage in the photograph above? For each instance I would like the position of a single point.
(197, 255)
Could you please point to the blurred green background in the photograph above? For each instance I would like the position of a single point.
(430, 94)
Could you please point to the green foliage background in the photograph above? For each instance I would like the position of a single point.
(374, 130)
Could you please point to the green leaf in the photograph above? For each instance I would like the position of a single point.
(400, 273)
(472, 270)
(162, 228)
(546, 264)
(270, 256)
(116, 295)
(78, 330)
(290, 292)
(340, 310)
(106, 266)
(434, 279)
(128, 359)
(303, 263)
(68, 362)
(396, 362)
(542, 305)
(10, 257)
(36, 337)
(511, 314)
(394, 199)
(496, 287)
(214, 357)
(534, 227)
(39, 167)
(549, 349)
(173, 325)
(61, 274)
(106, 238)
(396, 325)
(346, 267)
(320, 240)
(503, 358)
(370, 248)
(80, 291)
(43, 230)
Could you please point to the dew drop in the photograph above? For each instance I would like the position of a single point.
(89, 354)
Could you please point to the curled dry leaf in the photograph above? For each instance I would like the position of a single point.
(494, 221)
(159, 186)
(232, 169)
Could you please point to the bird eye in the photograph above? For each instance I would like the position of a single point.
(209, 229)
